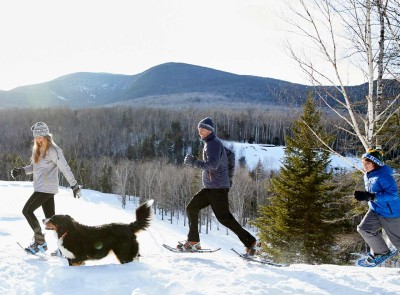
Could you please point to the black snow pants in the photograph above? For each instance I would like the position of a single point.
(218, 200)
(35, 201)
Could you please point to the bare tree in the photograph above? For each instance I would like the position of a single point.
(120, 177)
(240, 193)
(361, 33)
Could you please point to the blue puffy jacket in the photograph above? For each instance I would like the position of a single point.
(381, 182)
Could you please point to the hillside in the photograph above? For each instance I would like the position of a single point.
(165, 85)
(271, 157)
(159, 271)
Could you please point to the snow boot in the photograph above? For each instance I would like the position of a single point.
(188, 246)
(38, 245)
(377, 258)
(251, 251)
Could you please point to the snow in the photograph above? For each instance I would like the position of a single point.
(158, 271)
(271, 156)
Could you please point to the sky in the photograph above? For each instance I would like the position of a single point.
(45, 39)
(159, 271)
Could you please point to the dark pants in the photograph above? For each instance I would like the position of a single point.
(35, 201)
(218, 199)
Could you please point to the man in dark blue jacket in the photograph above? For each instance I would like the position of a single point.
(216, 184)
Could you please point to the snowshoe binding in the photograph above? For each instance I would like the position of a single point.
(372, 260)
(188, 246)
(36, 247)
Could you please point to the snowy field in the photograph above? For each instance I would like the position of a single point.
(271, 156)
(158, 271)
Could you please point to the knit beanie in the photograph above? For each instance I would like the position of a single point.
(40, 129)
(206, 123)
(375, 156)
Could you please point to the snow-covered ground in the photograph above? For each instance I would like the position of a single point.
(158, 271)
(271, 156)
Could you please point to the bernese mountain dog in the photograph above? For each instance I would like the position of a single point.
(78, 242)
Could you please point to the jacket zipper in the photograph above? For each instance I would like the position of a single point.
(45, 179)
(390, 209)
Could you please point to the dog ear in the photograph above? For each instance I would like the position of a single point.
(69, 217)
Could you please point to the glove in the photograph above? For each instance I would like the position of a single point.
(189, 160)
(77, 191)
(364, 196)
(17, 172)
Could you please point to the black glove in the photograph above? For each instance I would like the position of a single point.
(17, 172)
(77, 191)
(364, 196)
(189, 160)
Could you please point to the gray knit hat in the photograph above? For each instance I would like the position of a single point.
(206, 123)
(40, 129)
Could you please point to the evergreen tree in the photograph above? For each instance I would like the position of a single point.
(295, 223)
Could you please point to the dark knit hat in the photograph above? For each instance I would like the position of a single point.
(40, 129)
(375, 156)
(206, 123)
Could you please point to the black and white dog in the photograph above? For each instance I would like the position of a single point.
(78, 242)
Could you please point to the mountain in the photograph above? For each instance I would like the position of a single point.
(166, 85)
(170, 83)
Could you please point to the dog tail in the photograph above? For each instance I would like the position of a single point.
(143, 217)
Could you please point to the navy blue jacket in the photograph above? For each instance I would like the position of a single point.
(381, 182)
(215, 163)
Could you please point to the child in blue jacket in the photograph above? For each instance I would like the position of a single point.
(384, 206)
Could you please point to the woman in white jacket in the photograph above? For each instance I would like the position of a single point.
(47, 159)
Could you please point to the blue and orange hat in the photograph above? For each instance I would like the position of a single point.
(375, 156)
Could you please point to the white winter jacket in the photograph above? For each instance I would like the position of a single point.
(45, 171)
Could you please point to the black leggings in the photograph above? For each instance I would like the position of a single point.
(35, 201)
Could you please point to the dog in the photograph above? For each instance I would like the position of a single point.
(78, 242)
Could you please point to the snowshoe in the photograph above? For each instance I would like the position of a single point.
(372, 260)
(36, 247)
(201, 250)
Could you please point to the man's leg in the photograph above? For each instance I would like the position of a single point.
(199, 201)
(220, 205)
